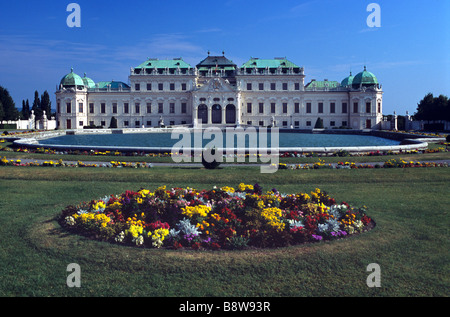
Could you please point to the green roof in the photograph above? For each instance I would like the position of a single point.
(72, 79)
(321, 84)
(114, 84)
(89, 83)
(364, 78)
(165, 63)
(269, 63)
(347, 81)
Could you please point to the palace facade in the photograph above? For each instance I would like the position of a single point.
(217, 92)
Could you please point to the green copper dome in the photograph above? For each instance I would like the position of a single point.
(72, 80)
(89, 83)
(347, 82)
(364, 78)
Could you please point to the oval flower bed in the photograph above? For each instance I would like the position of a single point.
(220, 218)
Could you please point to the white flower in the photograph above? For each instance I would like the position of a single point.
(70, 221)
(139, 240)
(120, 237)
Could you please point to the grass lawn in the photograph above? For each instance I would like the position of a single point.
(410, 241)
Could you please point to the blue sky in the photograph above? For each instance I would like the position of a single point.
(409, 53)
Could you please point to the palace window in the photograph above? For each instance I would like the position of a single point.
(149, 123)
(355, 107)
(126, 123)
(114, 107)
(261, 86)
(172, 108)
(249, 107)
(137, 123)
(160, 86)
(285, 105)
(80, 107)
(149, 86)
(308, 107)
(126, 108)
(285, 86)
(249, 86)
(297, 107)
(272, 107)
(172, 86)
(103, 108)
(379, 107)
(137, 108)
(68, 107)
(332, 107)
(320, 110)
(308, 123)
(261, 107)
(183, 86)
(273, 86)
(297, 86)
(137, 87)
(149, 107)
(368, 106)
(261, 123)
(160, 107)
(183, 107)
(344, 107)
(80, 123)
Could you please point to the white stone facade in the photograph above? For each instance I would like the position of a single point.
(220, 95)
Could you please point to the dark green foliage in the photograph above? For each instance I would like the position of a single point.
(433, 108)
(319, 124)
(113, 123)
(206, 163)
(8, 110)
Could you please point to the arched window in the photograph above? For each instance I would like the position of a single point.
(202, 113)
(230, 114)
(216, 114)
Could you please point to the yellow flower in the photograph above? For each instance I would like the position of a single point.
(242, 187)
(273, 215)
(200, 210)
(228, 189)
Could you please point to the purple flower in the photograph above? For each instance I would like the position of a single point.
(317, 237)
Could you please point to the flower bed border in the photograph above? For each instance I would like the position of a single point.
(225, 218)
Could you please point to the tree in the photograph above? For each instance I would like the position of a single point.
(25, 109)
(2, 113)
(46, 104)
(113, 123)
(37, 106)
(319, 124)
(432, 108)
(8, 109)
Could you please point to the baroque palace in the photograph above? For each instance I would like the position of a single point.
(217, 92)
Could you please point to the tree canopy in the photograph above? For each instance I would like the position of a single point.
(432, 108)
(8, 110)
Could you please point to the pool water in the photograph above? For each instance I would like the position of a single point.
(159, 140)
